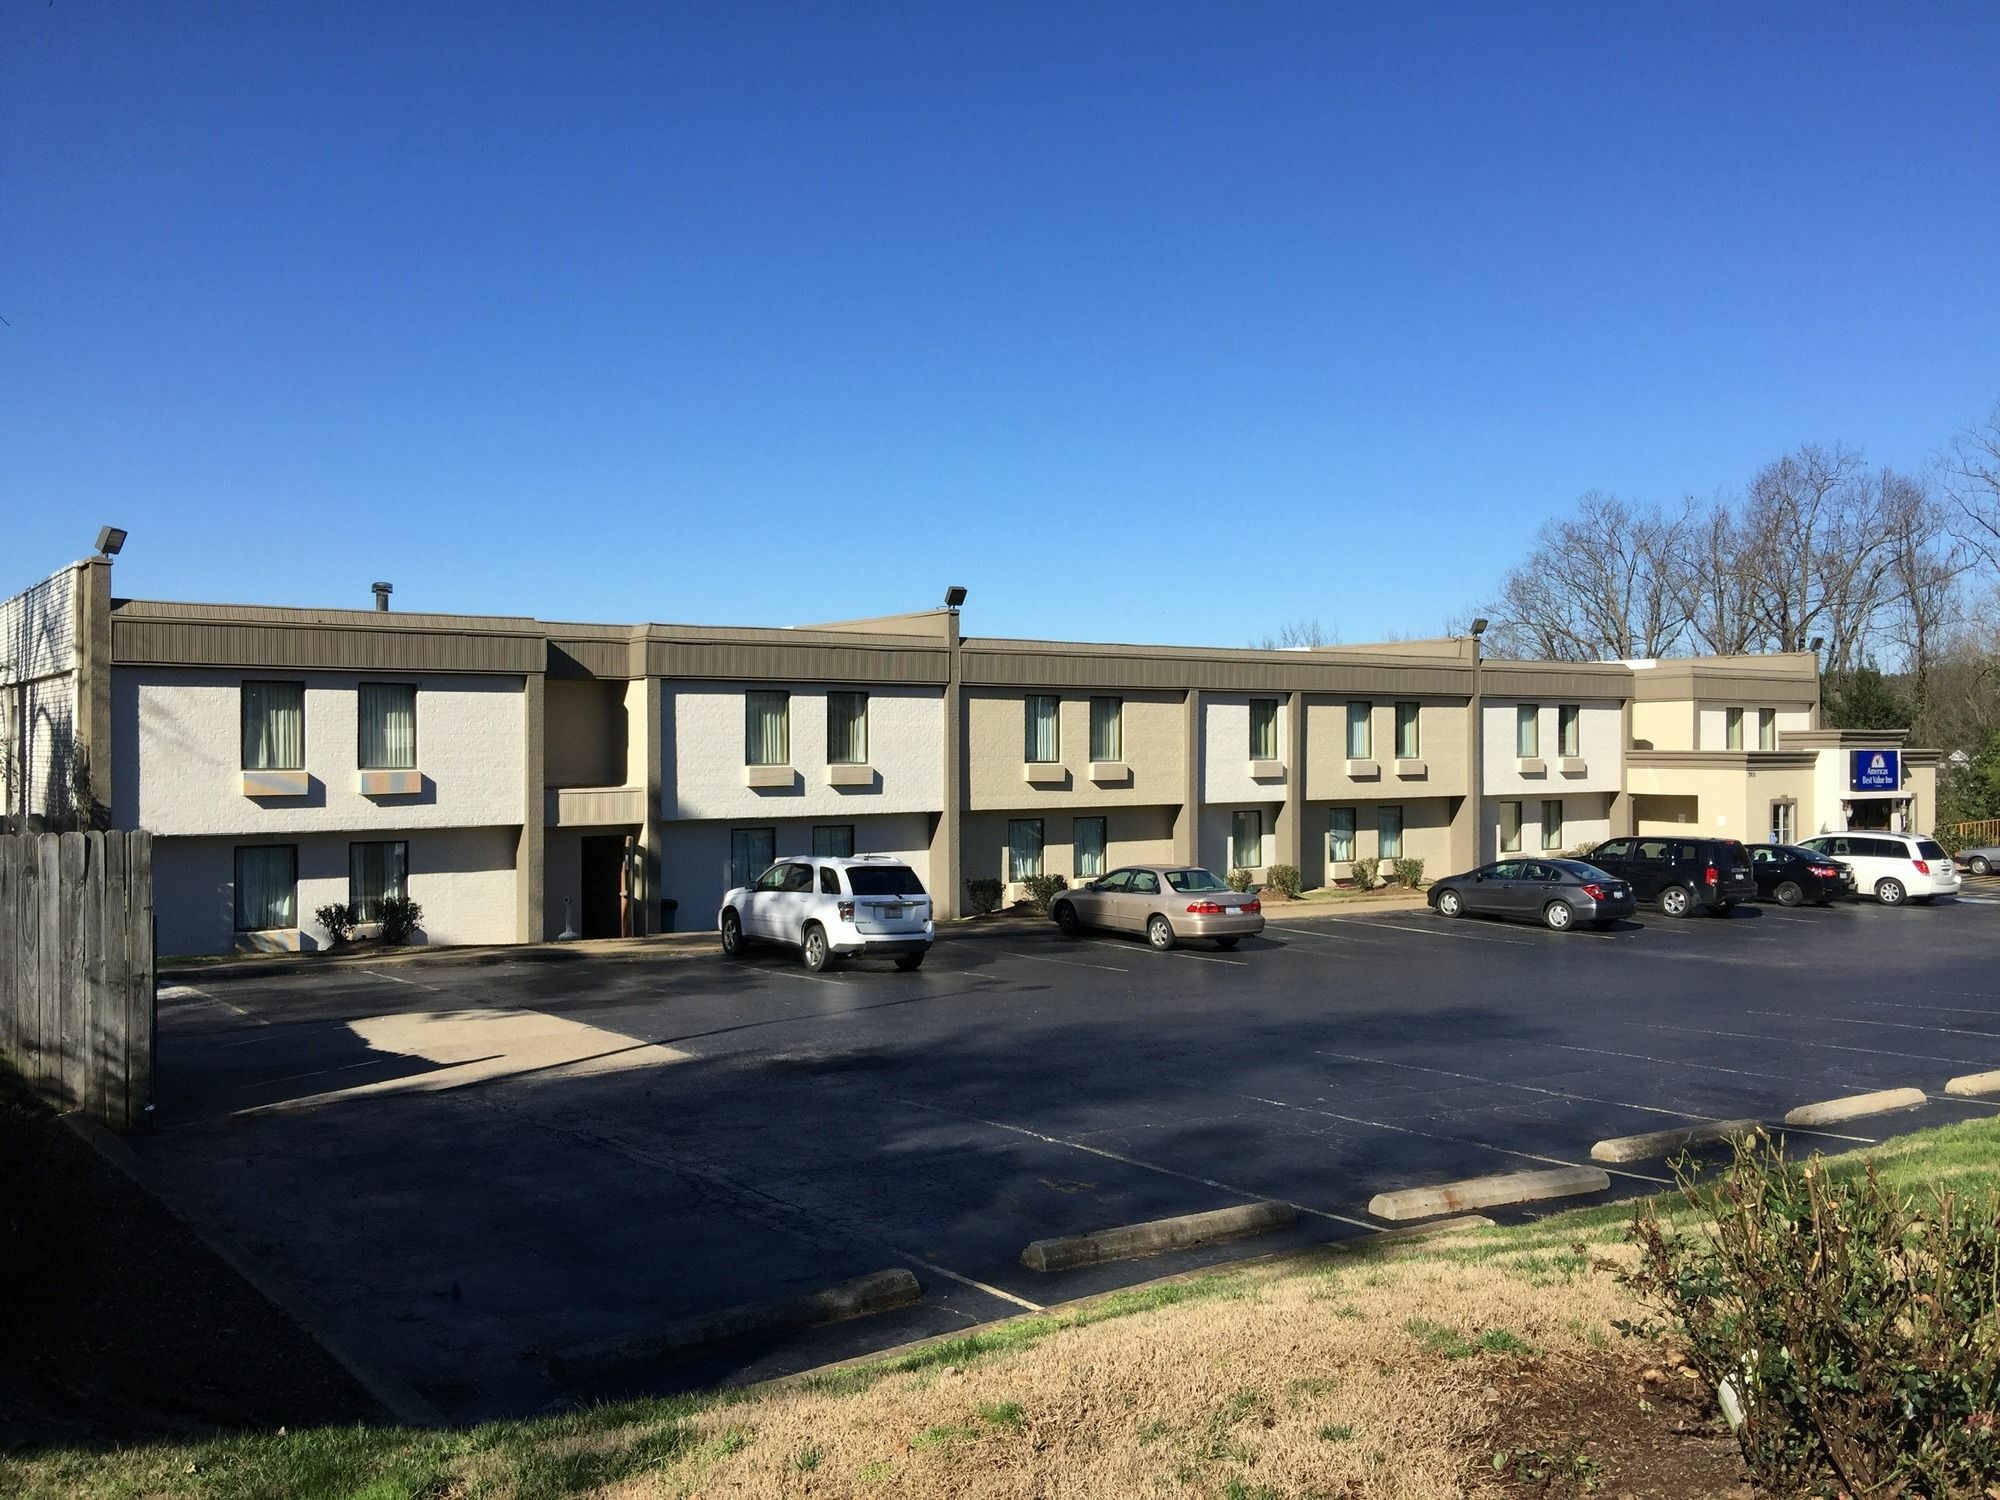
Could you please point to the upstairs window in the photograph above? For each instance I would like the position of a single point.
(274, 726)
(1360, 741)
(1107, 729)
(1044, 743)
(767, 729)
(1263, 728)
(847, 729)
(1732, 729)
(388, 712)
(1527, 731)
(1407, 745)
(1569, 730)
(1767, 729)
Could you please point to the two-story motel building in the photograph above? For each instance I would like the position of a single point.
(519, 778)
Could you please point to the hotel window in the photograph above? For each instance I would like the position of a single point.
(1107, 729)
(1044, 746)
(1360, 741)
(375, 871)
(1732, 729)
(1552, 823)
(1510, 828)
(752, 851)
(267, 886)
(388, 726)
(1089, 842)
(1263, 728)
(1408, 747)
(1527, 731)
(1569, 730)
(767, 729)
(1340, 833)
(1024, 846)
(1767, 729)
(1784, 822)
(1389, 832)
(1246, 840)
(834, 841)
(847, 729)
(274, 726)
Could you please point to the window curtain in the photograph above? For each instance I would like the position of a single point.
(1406, 731)
(847, 729)
(1357, 730)
(1568, 729)
(1042, 744)
(1340, 833)
(375, 871)
(1246, 841)
(1090, 838)
(1510, 827)
(388, 727)
(1552, 825)
(752, 851)
(1767, 729)
(267, 878)
(1527, 731)
(834, 841)
(767, 723)
(1732, 728)
(1107, 736)
(1263, 729)
(1024, 848)
(274, 726)
(1389, 829)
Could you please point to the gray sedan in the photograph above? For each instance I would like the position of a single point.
(1165, 902)
(1980, 861)
(1558, 893)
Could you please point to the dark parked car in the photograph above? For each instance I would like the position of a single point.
(1558, 893)
(1681, 873)
(1790, 875)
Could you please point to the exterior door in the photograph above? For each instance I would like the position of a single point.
(603, 886)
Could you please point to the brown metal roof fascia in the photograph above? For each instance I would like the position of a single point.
(1537, 679)
(1673, 681)
(149, 633)
(993, 663)
(1840, 739)
(793, 656)
(1728, 760)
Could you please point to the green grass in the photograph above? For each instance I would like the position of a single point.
(1452, 1344)
(1007, 1414)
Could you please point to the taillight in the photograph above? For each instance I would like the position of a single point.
(1251, 906)
(1204, 909)
(1825, 872)
(1923, 866)
(847, 911)
(1711, 876)
(1595, 892)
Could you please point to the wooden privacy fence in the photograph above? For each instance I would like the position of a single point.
(76, 969)
(1979, 835)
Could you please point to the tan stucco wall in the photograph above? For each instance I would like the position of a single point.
(1442, 745)
(1426, 835)
(1133, 835)
(1728, 803)
(1665, 725)
(996, 723)
(585, 732)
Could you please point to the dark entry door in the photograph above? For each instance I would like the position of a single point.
(603, 886)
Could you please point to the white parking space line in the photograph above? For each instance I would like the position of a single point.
(1133, 1161)
(1679, 1062)
(174, 992)
(1793, 1041)
(1528, 1088)
(1325, 937)
(978, 1286)
(1074, 963)
(1771, 916)
(815, 978)
(1992, 1036)
(1452, 932)
(1208, 958)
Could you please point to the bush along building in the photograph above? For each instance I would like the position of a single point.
(519, 778)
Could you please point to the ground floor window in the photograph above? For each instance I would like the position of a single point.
(1024, 848)
(1246, 840)
(267, 886)
(1784, 822)
(1389, 831)
(1510, 828)
(1339, 833)
(751, 852)
(834, 841)
(1090, 841)
(375, 871)
(1552, 823)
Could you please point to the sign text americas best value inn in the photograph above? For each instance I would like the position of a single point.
(1876, 771)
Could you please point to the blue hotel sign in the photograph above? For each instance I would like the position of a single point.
(1876, 771)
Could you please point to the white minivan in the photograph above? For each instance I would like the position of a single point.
(1892, 867)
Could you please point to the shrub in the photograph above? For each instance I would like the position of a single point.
(1854, 1332)
(1042, 890)
(399, 916)
(1409, 872)
(983, 895)
(1285, 880)
(337, 919)
(1364, 872)
(1238, 880)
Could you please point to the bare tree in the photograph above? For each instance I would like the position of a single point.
(1971, 472)
(1294, 634)
(1925, 565)
(1599, 584)
(1719, 591)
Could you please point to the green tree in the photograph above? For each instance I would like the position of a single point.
(1865, 700)
(1971, 793)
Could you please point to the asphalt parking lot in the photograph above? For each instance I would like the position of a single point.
(459, 1167)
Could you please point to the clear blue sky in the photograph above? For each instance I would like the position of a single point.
(1157, 322)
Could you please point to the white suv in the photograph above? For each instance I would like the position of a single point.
(832, 908)
(1893, 867)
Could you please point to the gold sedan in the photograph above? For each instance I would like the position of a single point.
(1166, 903)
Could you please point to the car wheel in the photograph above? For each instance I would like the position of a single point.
(1225, 944)
(908, 961)
(1450, 904)
(1160, 933)
(1981, 865)
(1066, 919)
(1676, 901)
(813, 948)
(1890, 892)
(1789, 893)
(1557, 916)
(734, 943)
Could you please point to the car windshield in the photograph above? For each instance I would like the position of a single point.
(1189, 881)
(884, 880)
(1930, 849)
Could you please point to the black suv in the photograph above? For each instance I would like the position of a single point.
(1681, 873)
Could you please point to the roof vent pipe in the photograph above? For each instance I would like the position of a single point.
(382, 593)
